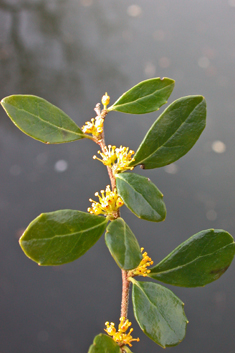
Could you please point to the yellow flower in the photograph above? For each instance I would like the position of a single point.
(124, 158)
(109, 156)
(105, 100)
(116, 158)
(94, 127)
(142, 269)
(108, 204)
(120, 336)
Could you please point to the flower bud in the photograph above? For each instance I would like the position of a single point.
(105, 100)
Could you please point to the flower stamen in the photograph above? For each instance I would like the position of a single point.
(142, 269)
(108, 157)
(109, 202)
(118, 159)
(120, 336)
(94, 127)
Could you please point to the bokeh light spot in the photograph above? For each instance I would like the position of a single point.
(218, 147)
(61, 166)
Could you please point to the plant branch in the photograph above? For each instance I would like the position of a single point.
(125, 294)
(125, 282)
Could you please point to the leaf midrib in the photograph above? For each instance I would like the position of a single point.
(139, 286)
(139, 99)
(165, 142)
(125, 240)
(47, 122)
(190, 262)
(66, 235)
(140, 195)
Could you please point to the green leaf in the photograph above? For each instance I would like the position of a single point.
(141, 196)
(201, 259)
(41, 120)
(159, 313)
(173, 134)
(56, 238)
(146, 97)
(104, 344)
(123, 245)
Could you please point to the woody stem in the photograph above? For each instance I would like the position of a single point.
(125, 294)
(125, 282)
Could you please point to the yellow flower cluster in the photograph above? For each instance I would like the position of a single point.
(142, 269)
(109, 156)
(118, 159)
(120, 336)
(108, 204)
(94, 127)
(124, 158)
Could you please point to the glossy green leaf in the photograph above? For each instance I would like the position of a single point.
(146, 97)
(104, 344)
(159, 312)
(201, 259)
(56, 238)
(41, 120)
(141, 196)
(123, 245)
(173, 134)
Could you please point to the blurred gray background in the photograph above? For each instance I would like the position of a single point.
(70, 52)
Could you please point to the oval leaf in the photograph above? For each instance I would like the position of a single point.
(41, 120)
(159, 313)
(173, 134)
(146, 97)
(123, 245)
(56, 238)
(201, 259)
(141, 196)
(104, 344)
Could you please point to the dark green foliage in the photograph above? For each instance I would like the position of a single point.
(201, 259)
(141, 196)
(59, 237)
(123, 245)
(146, 97)
(41, 120)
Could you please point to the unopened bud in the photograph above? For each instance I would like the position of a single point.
(105, 100)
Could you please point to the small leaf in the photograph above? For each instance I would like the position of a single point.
(159, 313)
(56, 238)
(173, 134)
(41, 120)
(141, 196)
(123, 245)
(146, 97)
(104, 344)
(201, 259)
